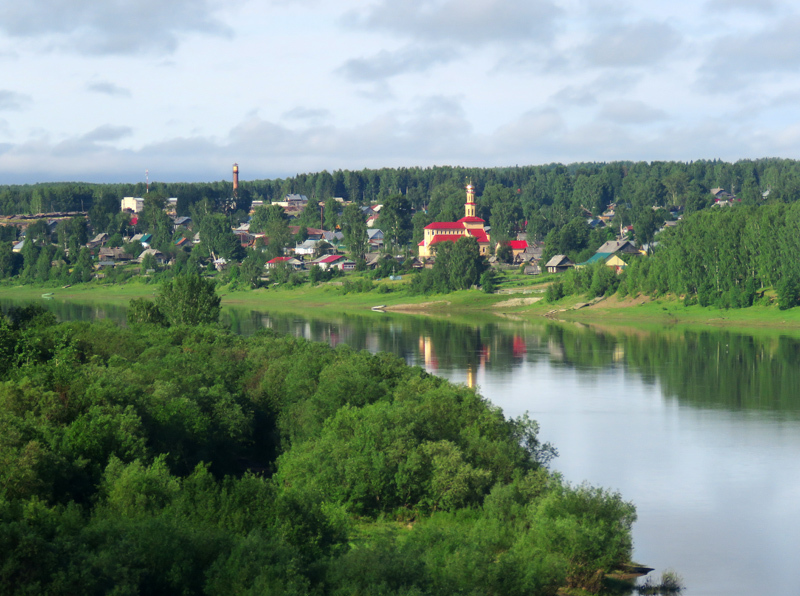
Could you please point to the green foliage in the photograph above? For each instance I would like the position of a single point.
(142, 310)
(458, 266)
(488, 281)
(357, 286)
(154, 460)
(188, 300)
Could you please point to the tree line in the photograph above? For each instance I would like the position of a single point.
(731, 257)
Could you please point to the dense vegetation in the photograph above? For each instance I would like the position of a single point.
(165, 458)
(726, 257)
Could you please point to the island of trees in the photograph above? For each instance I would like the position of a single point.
(175, 457)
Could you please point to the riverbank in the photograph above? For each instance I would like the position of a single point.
(526, 303)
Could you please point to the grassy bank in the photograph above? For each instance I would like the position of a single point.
(330, 298)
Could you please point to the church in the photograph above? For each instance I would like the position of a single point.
(453, 231)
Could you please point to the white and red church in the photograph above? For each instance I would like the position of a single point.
(453, 231)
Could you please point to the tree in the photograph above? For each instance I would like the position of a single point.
(188, 300)
(142, 310)
(253, 267)
(395, 219)
(354, 227)
(216, 235)
(505, 254)
(466, 264)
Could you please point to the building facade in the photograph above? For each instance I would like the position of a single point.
(452, 231)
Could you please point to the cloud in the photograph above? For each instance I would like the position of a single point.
(630, 112)
(465, 22)
(107, 88)
(735, 61)
(307, 114)
(589, 94)
(387, 64)
(111, 26)
(106, 133)
(10, 100)
(631, 45)
(765, 6)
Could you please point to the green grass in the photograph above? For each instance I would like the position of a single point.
(329, 298)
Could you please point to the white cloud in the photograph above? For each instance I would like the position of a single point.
(630, 112)
(10, 100)
(107, 88)
(632, 45)
(110, 27)
(386, 64)
(739, 60)
(765, 6)
(464, 22)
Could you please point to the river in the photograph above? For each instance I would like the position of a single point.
(701, 430)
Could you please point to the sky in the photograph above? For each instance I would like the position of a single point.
(102, 91)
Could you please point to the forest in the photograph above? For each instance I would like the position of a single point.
(168, 457)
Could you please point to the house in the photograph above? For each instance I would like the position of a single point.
(98, 240)
(453, 231)
(373, 259)
(307, 247)
(143, 238)
(113, 254)
(184, 221)
(290, 261)
(132, 204)
(609, 259)
(329, 261)
(18, 246)
(614, 246)
(532, 270)
(558, 264)
(517, 247)
(157, 255)
(532, 254)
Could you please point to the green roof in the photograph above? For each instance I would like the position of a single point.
(600, 256)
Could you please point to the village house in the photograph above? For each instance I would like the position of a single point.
(290, 261)
(558, 264)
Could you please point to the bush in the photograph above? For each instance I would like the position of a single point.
(555, 291)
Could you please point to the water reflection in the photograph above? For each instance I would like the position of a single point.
(703, 369)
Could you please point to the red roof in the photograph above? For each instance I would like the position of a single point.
(278, 260)
(471, 219)
(518, 244)
(445, 225)
(330, 259)
(479, 235)
(446, 238)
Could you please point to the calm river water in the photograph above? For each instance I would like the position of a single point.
(701, 430)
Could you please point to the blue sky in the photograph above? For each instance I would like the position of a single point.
(101, 91)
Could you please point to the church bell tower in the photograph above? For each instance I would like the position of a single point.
(469, 207)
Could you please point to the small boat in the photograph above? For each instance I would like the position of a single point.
(48, 295)
(379, 308)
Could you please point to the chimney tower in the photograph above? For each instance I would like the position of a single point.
(235, 180)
